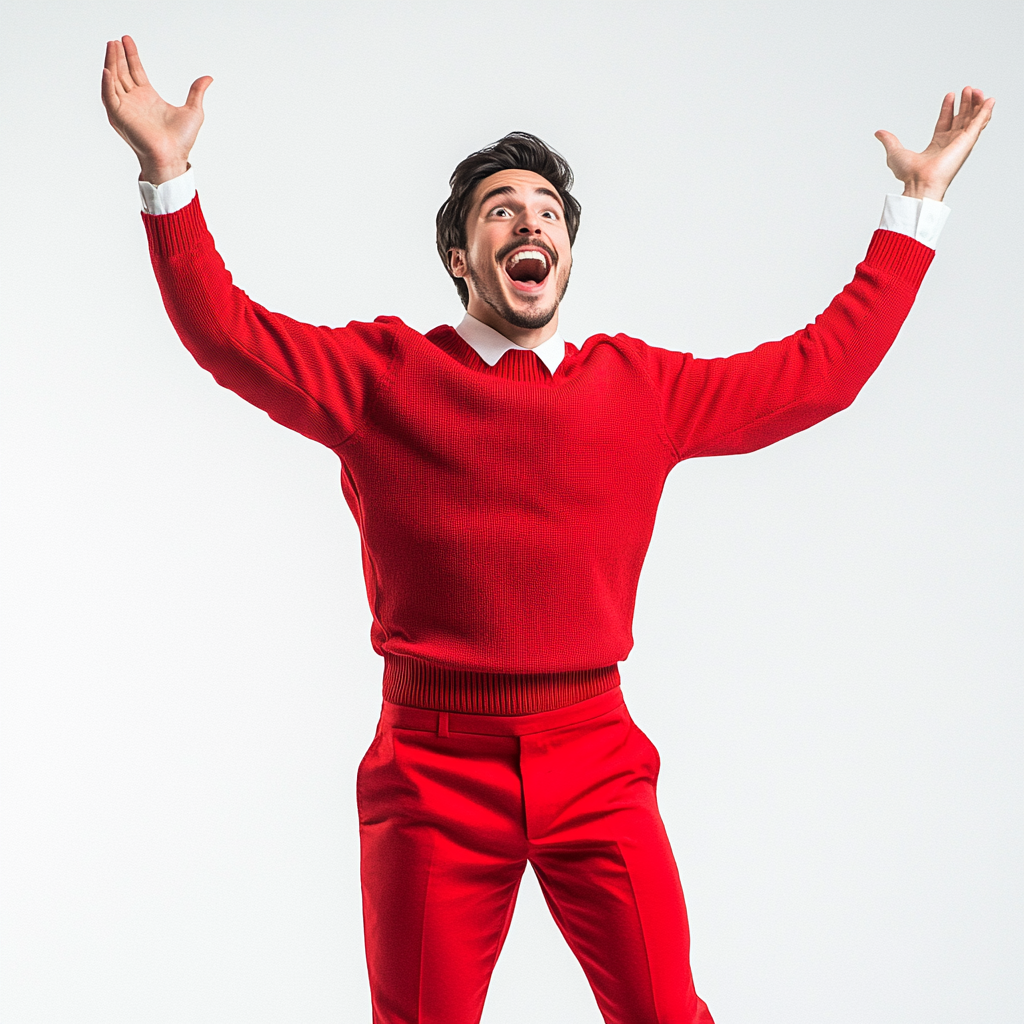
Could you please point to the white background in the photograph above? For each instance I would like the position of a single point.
(827, 632)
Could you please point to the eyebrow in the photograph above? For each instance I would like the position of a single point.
(504, 190)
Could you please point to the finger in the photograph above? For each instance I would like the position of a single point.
(110, 57)
(121, 66)
(891, 143)
(945, 121)
(982, 117)
(197, 90)
(110, 67)
(131, 52)
(976, 100)
(108, 91)
(110, 70)
(964, 113)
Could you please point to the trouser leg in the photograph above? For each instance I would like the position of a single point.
(447, 823)
(604, 863)
(442, 854)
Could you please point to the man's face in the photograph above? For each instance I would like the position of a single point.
(517, 257)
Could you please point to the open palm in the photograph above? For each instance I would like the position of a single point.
(160, 133)
(927, 174)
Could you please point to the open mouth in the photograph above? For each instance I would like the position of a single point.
(528, 268)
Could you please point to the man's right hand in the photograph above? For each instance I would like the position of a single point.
(162, 135)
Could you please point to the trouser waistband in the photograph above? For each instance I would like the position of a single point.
(445, 722)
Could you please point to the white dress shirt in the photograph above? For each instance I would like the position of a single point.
(490, 346)
(921, 219)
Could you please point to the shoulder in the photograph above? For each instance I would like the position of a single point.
(383, 332)
(606, 344)
(633, 350)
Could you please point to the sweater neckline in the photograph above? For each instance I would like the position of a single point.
(519, 366)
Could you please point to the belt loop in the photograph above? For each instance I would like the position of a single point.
(442, 723)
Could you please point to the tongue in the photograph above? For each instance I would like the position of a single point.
(528, 270)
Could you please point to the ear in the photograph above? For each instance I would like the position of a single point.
(457, 262)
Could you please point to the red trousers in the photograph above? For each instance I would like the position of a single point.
(452, 806)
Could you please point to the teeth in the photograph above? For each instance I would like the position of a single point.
(529, 254)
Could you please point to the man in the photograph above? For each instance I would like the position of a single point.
(505, 484)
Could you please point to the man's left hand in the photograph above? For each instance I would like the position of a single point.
(927, 175)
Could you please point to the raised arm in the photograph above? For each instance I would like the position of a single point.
(747, 401)
(316, 380)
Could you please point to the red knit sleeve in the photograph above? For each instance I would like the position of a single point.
(743, 402)
(316, 380)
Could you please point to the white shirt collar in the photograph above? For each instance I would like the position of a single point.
(490, 346)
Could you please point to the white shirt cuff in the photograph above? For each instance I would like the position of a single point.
(170, 196)
(922, 219)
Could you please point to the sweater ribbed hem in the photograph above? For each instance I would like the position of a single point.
(420, 685)
(171, 233)
(900, 255)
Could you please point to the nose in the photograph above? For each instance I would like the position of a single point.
(529, 223)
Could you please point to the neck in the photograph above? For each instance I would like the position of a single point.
(524, 337)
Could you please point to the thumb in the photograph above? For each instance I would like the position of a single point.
(891, 143)
(195, 93)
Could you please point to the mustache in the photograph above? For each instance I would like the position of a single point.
(505, 251)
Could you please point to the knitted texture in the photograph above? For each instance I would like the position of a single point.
(505, 512)
(416, 684)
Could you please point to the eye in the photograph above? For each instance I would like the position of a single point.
(550, 214)
(500, 211)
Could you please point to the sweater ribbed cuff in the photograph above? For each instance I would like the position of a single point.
(899, 255)
(172, 233)
(417, 684)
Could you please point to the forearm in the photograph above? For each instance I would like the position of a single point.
(316, 380)
(265, 358)
(738, 404)
(813, 374)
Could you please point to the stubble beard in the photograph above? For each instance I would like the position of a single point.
(490, 292)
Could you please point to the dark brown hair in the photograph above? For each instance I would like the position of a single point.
(517, 151)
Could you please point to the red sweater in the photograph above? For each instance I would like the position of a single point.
(505, 512)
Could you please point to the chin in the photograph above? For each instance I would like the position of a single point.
(527, 312)
(527, 316)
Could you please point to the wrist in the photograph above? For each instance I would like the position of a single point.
(157, 173)
(925, 190)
